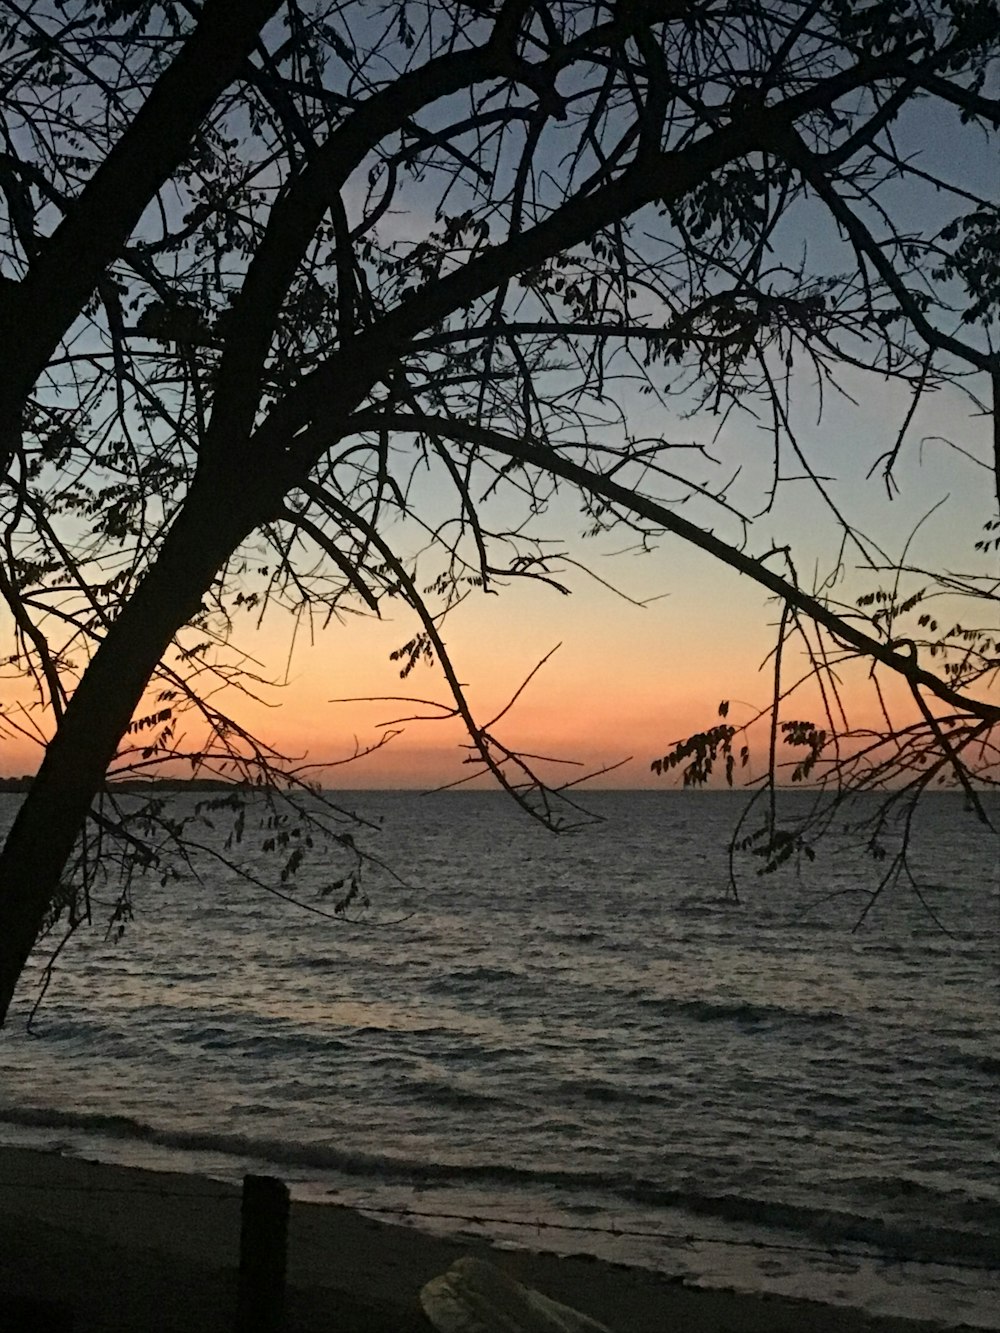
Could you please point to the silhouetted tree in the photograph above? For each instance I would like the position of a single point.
(265, 260)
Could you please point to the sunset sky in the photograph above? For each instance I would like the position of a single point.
(627, 680)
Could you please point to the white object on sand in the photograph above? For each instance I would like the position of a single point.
(476, 1297)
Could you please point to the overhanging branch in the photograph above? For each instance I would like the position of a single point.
(524, 451)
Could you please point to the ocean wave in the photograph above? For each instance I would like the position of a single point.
(281, 1152)
(437, 1092)
(598, 1090)
(898, 1239)
(179, 1026)
(744, 1012)
(978, 1062)
(983, 1210)
(481, 979)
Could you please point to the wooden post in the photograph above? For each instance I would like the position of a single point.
(263, 1248)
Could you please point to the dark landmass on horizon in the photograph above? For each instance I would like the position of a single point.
(23, 784)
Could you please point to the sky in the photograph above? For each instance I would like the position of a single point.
(627, 681)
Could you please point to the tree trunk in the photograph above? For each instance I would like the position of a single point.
(36, 311)
(205, 533)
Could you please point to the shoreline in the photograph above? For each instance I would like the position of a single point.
(129, 1249)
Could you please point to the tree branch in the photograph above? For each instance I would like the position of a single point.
(99, 222)
(525, 451)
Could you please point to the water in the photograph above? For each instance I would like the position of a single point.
(587, 1034)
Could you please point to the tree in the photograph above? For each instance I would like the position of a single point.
(261, 260)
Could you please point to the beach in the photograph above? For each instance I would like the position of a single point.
(128, 1250)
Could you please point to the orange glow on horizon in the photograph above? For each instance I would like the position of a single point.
(626, 681)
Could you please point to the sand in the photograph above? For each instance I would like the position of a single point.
(130, 1250)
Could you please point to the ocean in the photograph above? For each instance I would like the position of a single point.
(580, 1043)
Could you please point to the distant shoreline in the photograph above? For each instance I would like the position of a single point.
(23, 784)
